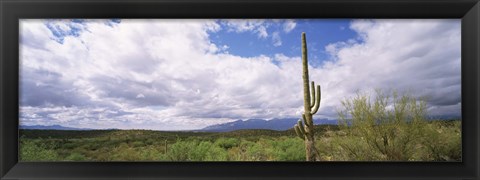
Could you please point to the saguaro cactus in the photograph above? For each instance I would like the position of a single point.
(311, 102)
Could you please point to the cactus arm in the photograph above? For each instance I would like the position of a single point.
(317, 100)
(312, 91)
(299, 134)
(305, 120)
(319, 94)
(301, 127)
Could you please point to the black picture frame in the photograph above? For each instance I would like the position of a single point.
(13, 10)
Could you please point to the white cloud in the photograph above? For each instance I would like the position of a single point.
(262, 32)
(242, 25)
(137, 66)
(289, 25)
(418, 56)
(258, 26)
(98, 78)
(277, 40)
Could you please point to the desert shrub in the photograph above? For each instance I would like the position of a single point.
(259, 151)
(123, 152)
(103, 154)
(443, 142)
(351, 148)
(268, 149)
(256, 153)
(239, 153)
(217, 154)
(227, 143)
(288, 149)
(337, 146)
(206, 151)
(152, 153)
(138, 144)
(199, 151)
(194, 150)
(150, 141)
(180, 149)
(69, 145)
(389, 126)
(32, 151)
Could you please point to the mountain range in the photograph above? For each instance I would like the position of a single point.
(273, 124)
(53, 127)
(278, 124)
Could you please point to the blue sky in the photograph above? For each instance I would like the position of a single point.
(189, 74)
(320, 32)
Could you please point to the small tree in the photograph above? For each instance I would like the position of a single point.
(389, 125)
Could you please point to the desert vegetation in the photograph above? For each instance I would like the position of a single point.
(440, 141)
(395, 127)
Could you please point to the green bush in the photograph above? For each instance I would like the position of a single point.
(138, 144)
(69, 145)
(390, 126)
(125, 153)
(31, 151)
(180, 150)
(288, 149)
(227, 143)
(443, 143)
(194, 150)
(239, 153)
(258, 151)
(352, 148)
(199, 150)
(217, 154)
(152, 153)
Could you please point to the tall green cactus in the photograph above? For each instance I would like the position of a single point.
(311, 102)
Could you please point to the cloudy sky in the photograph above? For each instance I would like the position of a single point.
(188, 74)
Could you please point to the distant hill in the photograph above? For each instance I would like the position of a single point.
(160, 136)
(52, 127)
(274, 124)
(444, 117)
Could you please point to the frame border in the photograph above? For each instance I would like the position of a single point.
(13, 10)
